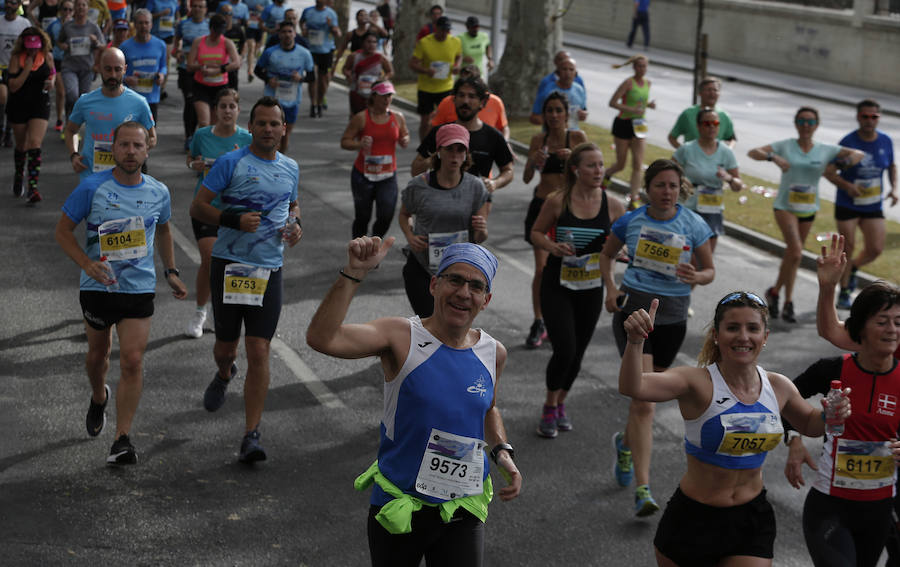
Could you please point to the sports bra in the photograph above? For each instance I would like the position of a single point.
(553, 164)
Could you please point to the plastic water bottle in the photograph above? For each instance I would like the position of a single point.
(292, 218)
(833, 426)
(569, 238)
(114, 286)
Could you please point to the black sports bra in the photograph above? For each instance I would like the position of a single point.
(553, 164)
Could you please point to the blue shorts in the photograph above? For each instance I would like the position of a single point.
(290, 113)
(117, 14)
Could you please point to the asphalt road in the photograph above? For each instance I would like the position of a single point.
(188, 502)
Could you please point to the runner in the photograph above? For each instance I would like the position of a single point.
(547, 155)
(207, 145)
(118, 277)
(686, 125)
(493, 113)
(11, 27)
(362, 69)
(211, 58)
(100, 111)
(449, 206)
(802, 162)
(319, 25)
(186, 31)
(859, 199)
(53, 28)
(661, 237)
(374, 135)
(254, 33)
(30, 80)
(165, 15)
(428, 416)
(476, 47)
(579, 216)
(576, 94)
(146, 58)
(731, 408)
(436, 58)
(258, 188)
(235, 32)
(631, 99)
(283, 68)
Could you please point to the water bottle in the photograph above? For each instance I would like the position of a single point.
(292, 218)
(114, 286)
(833, 427)
(569, 238)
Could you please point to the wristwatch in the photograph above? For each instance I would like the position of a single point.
(501, 447)
(172, 271)
(790, 435)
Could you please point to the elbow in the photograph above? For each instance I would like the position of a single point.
(535, 119)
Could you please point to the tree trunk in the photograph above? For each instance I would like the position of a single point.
(526, 60)
(409, 21)
(342, 7)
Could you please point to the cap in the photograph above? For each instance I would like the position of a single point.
(383, 88)
(120, 25)
(471, 22)
(472, 254)
(443, 23)
(33, 42)
(449, 134)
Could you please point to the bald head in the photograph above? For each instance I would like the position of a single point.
(560, 57)
(112, 70)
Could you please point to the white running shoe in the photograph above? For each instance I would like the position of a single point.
(194, 327)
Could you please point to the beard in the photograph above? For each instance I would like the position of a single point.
(465, 113)
(112, 83)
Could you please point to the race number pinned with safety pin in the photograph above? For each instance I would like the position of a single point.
(123, 239)
(452, 466)
(710, 199)
(659, 250)
(640, 127)
(863, 465)
(581, 272)
(749, 433)
(103, 156)
(286, 92)
(441, 69)
(869, 192)
(802, 198)
(439, 241)
(245, 285)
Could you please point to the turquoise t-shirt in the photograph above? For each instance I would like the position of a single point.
(701, 169)
(209, 146)
(798, 191)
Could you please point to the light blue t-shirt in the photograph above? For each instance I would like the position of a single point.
(273, 14)
(210, 147)
(686, 225)
(100, 115)
(318, 29)
(163, 26)
(240, 13)
(577, 100)
(145, 60)
(52, 30)
(552, 78)
(282, 64)
(246, 183)
(188, 31)
(99, 199)
(701, 168)
(798, 191)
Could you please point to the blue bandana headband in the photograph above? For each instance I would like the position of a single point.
(472, 254)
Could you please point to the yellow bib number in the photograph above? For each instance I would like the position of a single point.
(864, 467)
(659, 252)
(245, 285)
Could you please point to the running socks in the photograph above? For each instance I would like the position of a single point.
(34, 168)
(19, 160)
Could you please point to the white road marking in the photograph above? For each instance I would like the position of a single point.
(186, 245)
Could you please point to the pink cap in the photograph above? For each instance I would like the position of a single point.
(383, 88)
(33, 42)
(452, 134)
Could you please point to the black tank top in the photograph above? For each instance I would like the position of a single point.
(356, 41)
(553, 164)
(32, 91)
(589, 234)
(47, 11)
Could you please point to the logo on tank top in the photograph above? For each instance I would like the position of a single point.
(723, 400)
(425, 344)
(887, 404)
(478, 387)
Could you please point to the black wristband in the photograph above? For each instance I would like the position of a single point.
(230, 220)
(224, 70)
(73, 155)
(500, 447)
(349, 277)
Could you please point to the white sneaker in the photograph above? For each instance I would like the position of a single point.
(194, 327)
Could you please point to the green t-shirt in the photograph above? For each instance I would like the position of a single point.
(475, 47)
(686, 125)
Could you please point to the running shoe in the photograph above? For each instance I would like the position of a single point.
(122, 452)
(852, 282)
(563, 421)
(251, 449)
(536, 334)
(18, 186)
(690, 311)
(623, 467)
(772, 302)
(34, 196)
(644, 504)
(194, 327)
(163, 95)
(58, 126)
(787, 313)
(844, 300)
(547, 426)
(312, 111)
(250, 78)
(318, 111)
(96, 415)
(214, 396)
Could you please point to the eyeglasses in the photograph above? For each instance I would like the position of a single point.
(870, 116)
(806, 122)
(477, 287)
(739, 295)
(709, 122)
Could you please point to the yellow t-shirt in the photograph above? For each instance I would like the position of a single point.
(440, 56)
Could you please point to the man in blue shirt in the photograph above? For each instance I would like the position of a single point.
(187, 30)
(101, 110)
(552, 77)
(283, 68)
(257, 187)
(145, 59)
(255, 30)
(272, 15)
(566, 84)
(860, 194)
(125, 213)
(319, 25)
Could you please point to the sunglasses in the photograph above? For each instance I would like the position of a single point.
(477, 287)
(709, 123)
(870, 116)
(739, 295)
(806, 122)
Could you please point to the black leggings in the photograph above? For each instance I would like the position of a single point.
(458, 542)
(417, 281)
(570, 318)
(841, 533)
